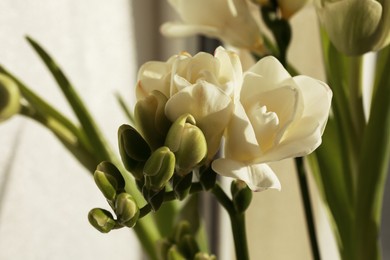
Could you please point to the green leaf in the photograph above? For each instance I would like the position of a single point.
(91, 131)
(373, 166)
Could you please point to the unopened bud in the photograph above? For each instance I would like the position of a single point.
(204, 256)
(159, 168)
(242, 195)
(109, 180)
(150, 118)
(101, 219)
(133, 149)
(126, 209)
(187, 142)
(174, 254)
(9, 98)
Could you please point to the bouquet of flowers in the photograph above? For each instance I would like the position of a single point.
(203, 117)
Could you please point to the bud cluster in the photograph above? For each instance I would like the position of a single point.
(182, 245)
(161, 155)
(111, 183)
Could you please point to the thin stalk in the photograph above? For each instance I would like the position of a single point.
(237, 220)
(305, 194)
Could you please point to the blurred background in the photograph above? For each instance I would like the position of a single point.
(45, 195)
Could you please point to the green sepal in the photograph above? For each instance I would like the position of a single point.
(207, 178)
(182, 185)
(154, 198)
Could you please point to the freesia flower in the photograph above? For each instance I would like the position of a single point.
(276, 116)
(287, 7)
(203, 86)
(356, 26)
(231, 21)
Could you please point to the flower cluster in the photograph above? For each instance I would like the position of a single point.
(263, 114)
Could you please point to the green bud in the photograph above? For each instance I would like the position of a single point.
(109, 180)
(204, 256)
(126, 209)
(101, 219)
(163, 247)
(188, 246)
(183, 228)
(356, 27)
(9, 98)
(159, 168)
(242, 195)
(188, 143)
(150, 118)
(174, 254)
(133, 149)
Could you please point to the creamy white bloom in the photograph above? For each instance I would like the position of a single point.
(356, 26)
(232, 21)
(276, 116)
(203, 86)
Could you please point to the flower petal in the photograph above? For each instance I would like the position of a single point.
(304, 134)
(241, 143)
(258, 177)
(210, 107)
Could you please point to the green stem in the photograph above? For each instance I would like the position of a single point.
(305, 193)
(237, 220)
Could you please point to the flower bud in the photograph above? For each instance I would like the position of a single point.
(204, 256)
(109, 180)
(187, 142)
(356, 26)
(242, 195)
(150, 118)
(133, 149)
(101, 219)
(126, 210)
(159, 168)
(9, 98)
(174, 254)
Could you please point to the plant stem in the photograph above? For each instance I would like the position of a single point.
(237, 220)
(305, 193)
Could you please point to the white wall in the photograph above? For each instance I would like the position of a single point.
(45, 195)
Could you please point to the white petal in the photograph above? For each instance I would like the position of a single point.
(303, 135)
(241, 143)
(258, 177)
(182, 30)
(271, 69)
(210, 107)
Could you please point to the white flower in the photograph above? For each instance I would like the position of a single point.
(203, 86)
(356, 26)
(275, 117)
(232, 21)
